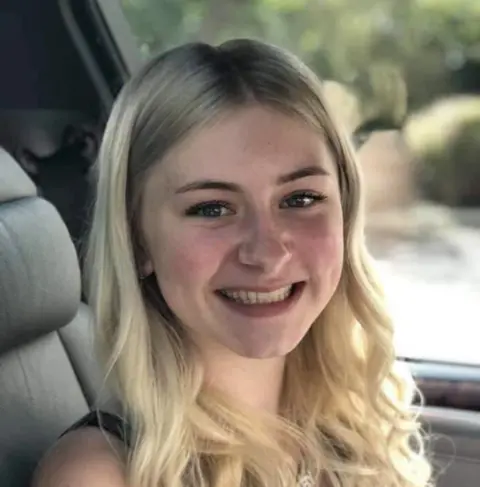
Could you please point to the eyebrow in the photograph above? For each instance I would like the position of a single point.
(303, 172)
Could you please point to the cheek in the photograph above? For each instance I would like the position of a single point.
(186, 258)
(321, 245)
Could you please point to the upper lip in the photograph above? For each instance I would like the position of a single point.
(259, 289)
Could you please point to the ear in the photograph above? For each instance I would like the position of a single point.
(146, 268)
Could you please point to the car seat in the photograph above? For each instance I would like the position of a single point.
(49, 376)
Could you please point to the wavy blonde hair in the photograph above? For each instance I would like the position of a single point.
(345, 415)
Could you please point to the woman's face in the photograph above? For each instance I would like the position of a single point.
(244, 232)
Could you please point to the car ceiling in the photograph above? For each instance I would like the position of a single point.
(40, 67)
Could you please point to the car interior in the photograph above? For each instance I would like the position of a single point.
(60, 74)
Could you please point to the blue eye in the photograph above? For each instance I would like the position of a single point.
(302, 199)
(210, 209)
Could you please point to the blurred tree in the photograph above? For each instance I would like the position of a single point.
(445, 140)
(394, 54)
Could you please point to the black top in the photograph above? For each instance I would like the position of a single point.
(111, 423)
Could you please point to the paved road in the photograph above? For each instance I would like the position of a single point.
(434, 295)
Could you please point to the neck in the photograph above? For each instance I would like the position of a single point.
(257, 383)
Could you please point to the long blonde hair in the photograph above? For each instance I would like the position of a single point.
(345, 414)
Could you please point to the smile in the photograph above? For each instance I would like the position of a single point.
(262, 304)
(254, 297)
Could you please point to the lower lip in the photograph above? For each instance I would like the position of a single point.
(265, 310)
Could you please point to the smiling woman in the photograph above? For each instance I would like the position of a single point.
(238, 314)
(262, 222)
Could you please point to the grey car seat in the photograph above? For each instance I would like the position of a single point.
(49, 377)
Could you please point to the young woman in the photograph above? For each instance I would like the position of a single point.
(240, 319)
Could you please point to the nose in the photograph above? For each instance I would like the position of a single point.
(265, 247)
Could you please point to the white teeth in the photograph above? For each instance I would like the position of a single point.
(252, 297)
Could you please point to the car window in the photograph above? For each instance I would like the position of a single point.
(404, 79)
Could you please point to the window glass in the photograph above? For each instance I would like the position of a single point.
(406, 74)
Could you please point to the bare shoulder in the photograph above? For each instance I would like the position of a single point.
(86, 457)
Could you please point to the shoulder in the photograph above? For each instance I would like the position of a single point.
(85, 457)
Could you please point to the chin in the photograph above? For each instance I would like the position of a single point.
(266, 351)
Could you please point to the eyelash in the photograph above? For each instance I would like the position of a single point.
(315, 197)
(195, 211)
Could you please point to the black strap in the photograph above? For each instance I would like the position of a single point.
(109, 422)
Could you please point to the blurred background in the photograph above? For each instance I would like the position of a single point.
(403, 77)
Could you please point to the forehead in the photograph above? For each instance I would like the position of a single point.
(249, 143)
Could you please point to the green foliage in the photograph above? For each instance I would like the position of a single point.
(445, 140)
(387, 51)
